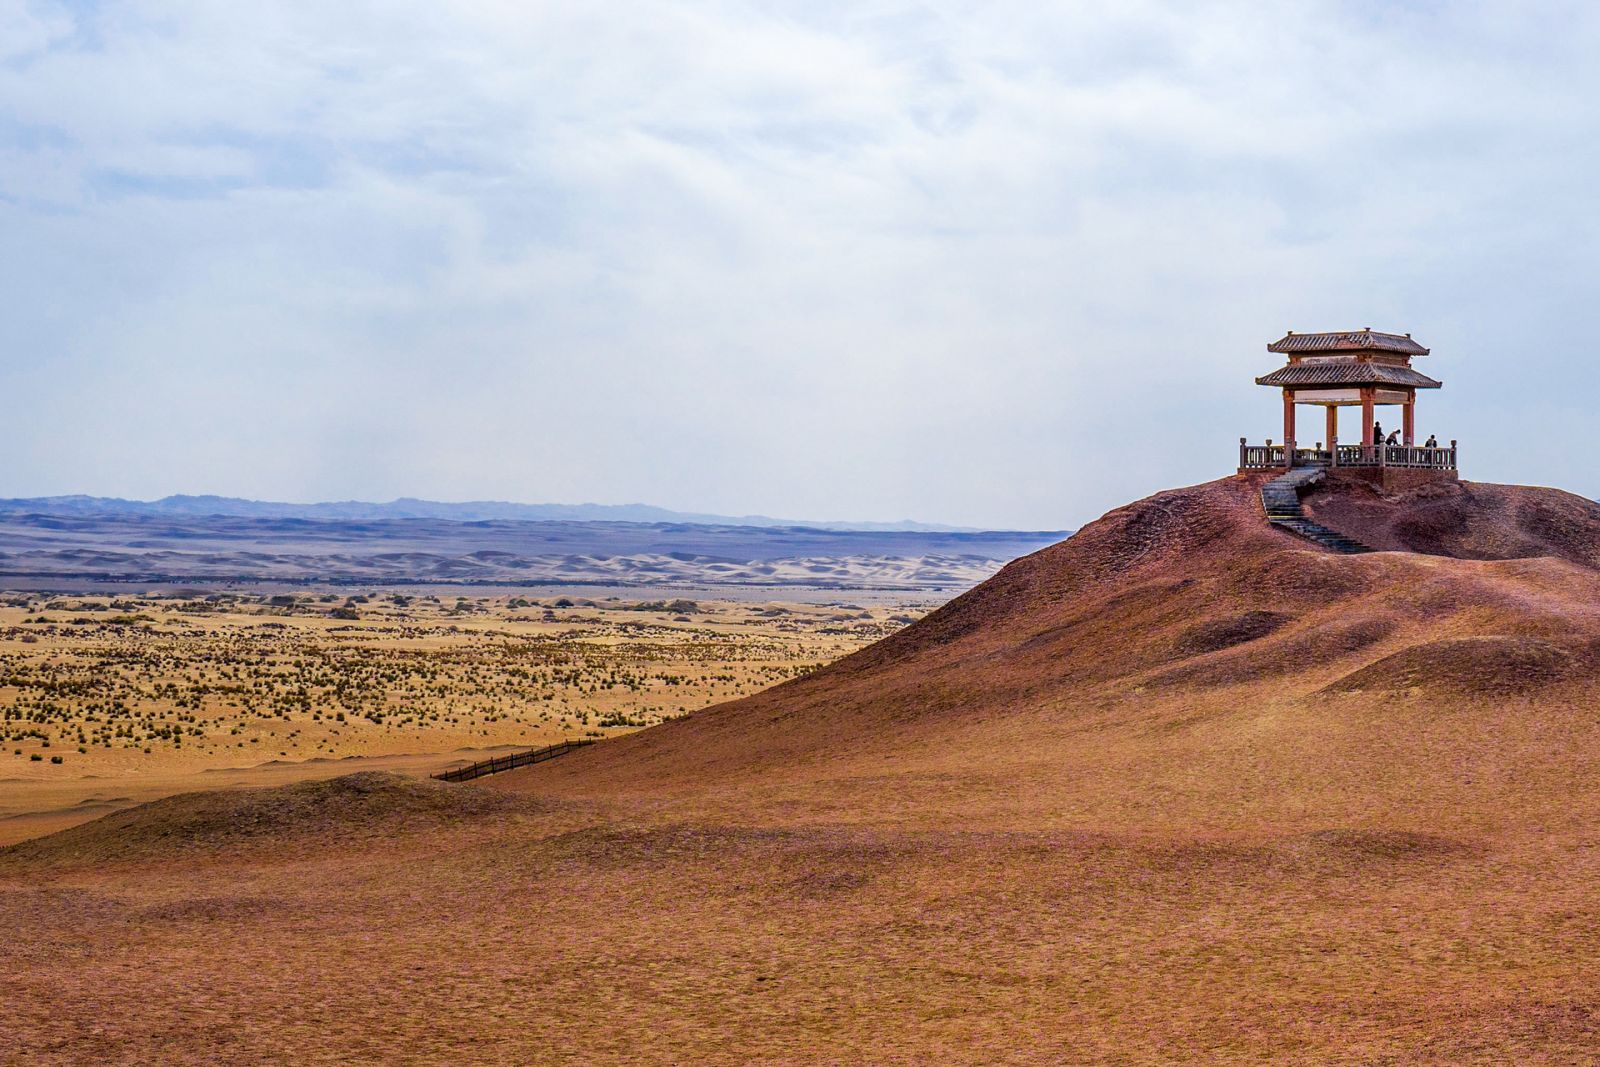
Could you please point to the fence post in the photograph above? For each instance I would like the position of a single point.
(496, 764)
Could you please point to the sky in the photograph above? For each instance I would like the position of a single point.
(993, 264)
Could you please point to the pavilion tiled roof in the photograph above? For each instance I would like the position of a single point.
(1348, 341)
(1348, 372)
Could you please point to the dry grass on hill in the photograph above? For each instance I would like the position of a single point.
(1178, 790)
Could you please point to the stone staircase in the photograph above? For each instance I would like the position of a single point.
(1281, 498)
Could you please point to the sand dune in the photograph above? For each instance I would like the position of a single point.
(217, 548)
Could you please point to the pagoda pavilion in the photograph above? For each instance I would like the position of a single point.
(1360, 368)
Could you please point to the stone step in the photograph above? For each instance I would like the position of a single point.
(1280, 498)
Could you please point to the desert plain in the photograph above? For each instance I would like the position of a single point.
(112, 699)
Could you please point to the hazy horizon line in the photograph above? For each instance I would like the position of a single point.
(592, 511)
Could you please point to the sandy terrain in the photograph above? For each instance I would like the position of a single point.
(109, 701)
(147, 549)
(1179, 790)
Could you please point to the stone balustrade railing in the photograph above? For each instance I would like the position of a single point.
(1411, 457)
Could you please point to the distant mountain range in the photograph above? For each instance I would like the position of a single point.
(410, 508)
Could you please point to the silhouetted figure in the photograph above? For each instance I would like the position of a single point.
(1377, 432)
(1431, 442)
(1392, 439)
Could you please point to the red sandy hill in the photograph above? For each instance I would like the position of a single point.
(1180, 789)
(1183, 635)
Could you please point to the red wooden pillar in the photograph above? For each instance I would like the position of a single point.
(1333, 427)
(1410, 423)
(1368, 402)
(1288, 428)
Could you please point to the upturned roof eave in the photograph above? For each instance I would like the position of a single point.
(1422, 381)
(1347, 341)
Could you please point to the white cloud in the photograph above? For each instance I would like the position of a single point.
(864, 260)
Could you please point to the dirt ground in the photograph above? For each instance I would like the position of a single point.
(1179, 790)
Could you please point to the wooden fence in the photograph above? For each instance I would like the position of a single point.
(1270, 456)
(506, 763)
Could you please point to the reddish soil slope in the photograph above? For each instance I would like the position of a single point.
(1180, 789)
(1466, 520)
(1187, 613)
